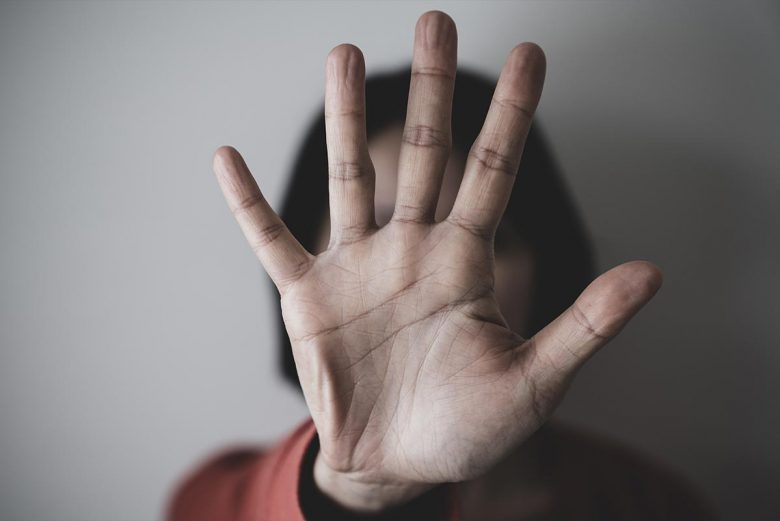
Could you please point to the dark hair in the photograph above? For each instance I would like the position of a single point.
(540, 209)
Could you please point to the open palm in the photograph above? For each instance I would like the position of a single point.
(409, 370)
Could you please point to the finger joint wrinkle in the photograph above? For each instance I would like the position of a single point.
(426, 136)
(475, 230)
(267, 234)
(345, 113)
(346, 170)
(518, 107)
(248, 203)
(436, 72)
(414, 213)
(490, 158)
(585, 323)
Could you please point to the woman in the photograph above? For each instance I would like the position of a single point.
(427, 402)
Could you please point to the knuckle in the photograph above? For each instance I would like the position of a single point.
(586, 324)
(433, 72)
(491, 158)
(482, 233)
(426, 136)
(344, 170)
(247, 203)
(354, 112)
(266, 235)
(521, 109)
(347, 233)
(413, 213)
(295, 271)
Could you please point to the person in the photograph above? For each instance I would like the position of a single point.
(440, 315)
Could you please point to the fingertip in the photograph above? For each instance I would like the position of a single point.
(345, 68)
(344, 50)
(224, 155)
(434, 16)
(528, 57)
(344, 55)
(435, 29)
(529, 50)
(225, 151)
(647, 276)
(522, 77)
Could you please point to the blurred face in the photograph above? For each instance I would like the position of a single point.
(514, 263)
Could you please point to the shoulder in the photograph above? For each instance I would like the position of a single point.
(612, 480)
(245, 482)
(214, 485)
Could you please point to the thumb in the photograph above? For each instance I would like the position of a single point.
(597, 316)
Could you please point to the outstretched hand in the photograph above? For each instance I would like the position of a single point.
(409, 370)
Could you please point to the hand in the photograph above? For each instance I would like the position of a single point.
(409, 370)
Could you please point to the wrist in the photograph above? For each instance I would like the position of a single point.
(363, 495)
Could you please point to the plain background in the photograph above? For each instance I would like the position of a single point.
(137, 329)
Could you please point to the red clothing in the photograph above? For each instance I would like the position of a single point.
(572, 476)
(251, 485)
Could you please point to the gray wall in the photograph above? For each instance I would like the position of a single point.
(136, 327)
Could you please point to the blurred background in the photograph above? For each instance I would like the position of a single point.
(137, 330)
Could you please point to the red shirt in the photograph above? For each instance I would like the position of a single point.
(583, 477)
(277, 485)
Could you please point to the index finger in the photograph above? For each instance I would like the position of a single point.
(494, 158)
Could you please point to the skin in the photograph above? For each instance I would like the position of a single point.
(411, 373)
(514, 267)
